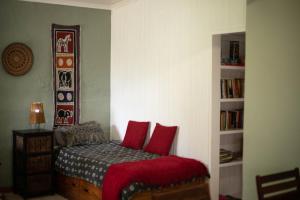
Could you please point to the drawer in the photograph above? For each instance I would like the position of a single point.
(19, 164)
(41, 183)
(19, 143)
(39, 144)
(69, 188)
(19, 184)
(36, 164)
(77, 189)
(90, 191)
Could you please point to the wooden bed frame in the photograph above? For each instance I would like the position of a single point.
(77, 189)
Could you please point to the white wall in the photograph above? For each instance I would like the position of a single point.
(161, 66)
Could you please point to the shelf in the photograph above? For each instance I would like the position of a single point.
(231, 164)
(228, 132)
(232, 100)
(232, 67)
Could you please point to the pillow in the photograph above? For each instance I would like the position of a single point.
(135, 135)
(161, 140)
(86, 133)
(60, 135)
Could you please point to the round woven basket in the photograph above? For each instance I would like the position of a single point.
(17, 59)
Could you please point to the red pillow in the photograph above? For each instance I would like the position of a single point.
(135, 135)
(161, 140)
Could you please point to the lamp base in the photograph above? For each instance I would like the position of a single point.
(36, 126)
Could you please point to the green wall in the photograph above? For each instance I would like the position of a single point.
(30, 23)
(272, 101)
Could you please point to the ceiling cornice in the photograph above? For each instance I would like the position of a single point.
(121, 4)
(74, 3)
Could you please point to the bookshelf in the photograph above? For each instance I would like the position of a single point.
(228, 75)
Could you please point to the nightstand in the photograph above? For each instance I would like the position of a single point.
(33, 162)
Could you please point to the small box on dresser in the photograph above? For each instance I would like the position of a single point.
(33, 162)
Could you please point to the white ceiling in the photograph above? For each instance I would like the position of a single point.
(110, 2)
(98, 4)
(106, 2)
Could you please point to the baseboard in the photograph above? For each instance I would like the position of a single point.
(6, 189)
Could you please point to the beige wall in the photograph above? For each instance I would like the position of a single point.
(272, 131)
(30, 23)
(161, 66)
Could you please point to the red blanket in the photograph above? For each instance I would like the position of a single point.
(161, 171)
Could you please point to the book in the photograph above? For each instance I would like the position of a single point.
(223, 120)
(223, 89)
(232, 119)
(232, 88)
(234, 52)
(235, 88)
(229, 88)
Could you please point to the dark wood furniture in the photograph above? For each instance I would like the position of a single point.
(78, 189)
(33, 162)
(279, 186)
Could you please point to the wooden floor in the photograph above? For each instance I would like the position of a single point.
(11, 196)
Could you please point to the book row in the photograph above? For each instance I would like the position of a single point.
(231, 120)
(232, 88)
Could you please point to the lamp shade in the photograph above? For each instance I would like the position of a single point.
(37, 113)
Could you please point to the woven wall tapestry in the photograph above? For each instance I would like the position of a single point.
(66, 49)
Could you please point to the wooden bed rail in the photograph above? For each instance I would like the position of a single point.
(77, 189)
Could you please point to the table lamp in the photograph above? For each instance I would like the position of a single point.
(37, 116)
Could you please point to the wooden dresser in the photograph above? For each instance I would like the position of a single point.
(33, 162)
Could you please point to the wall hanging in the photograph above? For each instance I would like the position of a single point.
(66, 49)
(17, 59)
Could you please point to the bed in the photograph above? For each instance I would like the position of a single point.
(80, 171)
